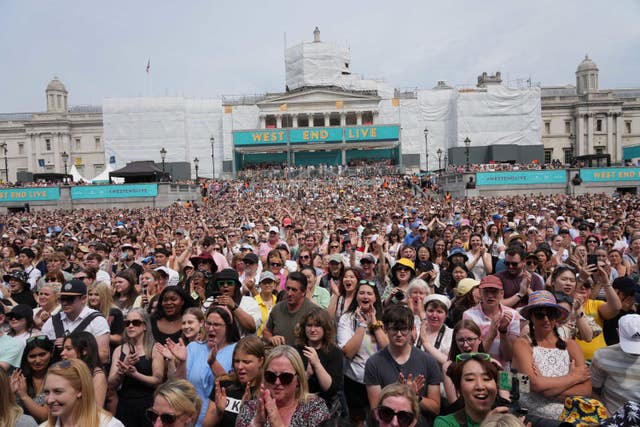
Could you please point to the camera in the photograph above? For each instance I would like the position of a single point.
(399, 294)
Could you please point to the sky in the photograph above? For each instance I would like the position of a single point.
(206, 49)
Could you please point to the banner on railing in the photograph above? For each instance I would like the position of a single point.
(114, 191)
(521, 177)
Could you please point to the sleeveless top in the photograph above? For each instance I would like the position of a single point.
(478, 270)
(135, 389)
(161, 337)
(551, 362)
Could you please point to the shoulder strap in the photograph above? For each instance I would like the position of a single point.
(85, 322)
(58, 327)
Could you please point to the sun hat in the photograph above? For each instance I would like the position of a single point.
(465, 285)
(405, 262)
(457, 251)
(583, 411)
(540, 299)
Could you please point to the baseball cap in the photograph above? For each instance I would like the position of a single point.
(336, 258)
(625, 285)
(560, 218)
(629, 330)
(162, 269)
(274, 229)
(246, 246)
(267, 275)
(465, 285)
(74, 287)
(251, 258)
(491, 281)
(21, 311)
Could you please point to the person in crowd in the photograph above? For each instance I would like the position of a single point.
(99, 298)
(334, 272)
(418, 290)
(275, 264)
(266, 298)
(517, 281)
(11, 414)
(27, 383)
(555, 367)
(322, 359)
(455, 272)
(398, 406)
(19, 291)
(284, 314)
(175, 403)
(400, 361)
(10, 348)
(94, 260)
(125, 294)
(48, 302)
(128, 260)
(615, 370)
(202, 362)
(137, 369)
(166, 320)
(402, 273)
(149, 286)
(245, 309)
(193, 325)
(475, 378)
(343, 293)
(76, 316)
(626, 290)
(360, 335)
(240, 385)
(319, 295)
(21, 324)
(467, 295)
(55, 263)
(283, 397)
(26, 258)
(563, 282)
(479, 263)
(500, 325)
(83, 346)
(425, 269)
(251, 273)
(434, 336)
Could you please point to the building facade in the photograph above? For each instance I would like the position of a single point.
(585, 120)
(37, 142)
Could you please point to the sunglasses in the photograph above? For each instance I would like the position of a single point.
(541, 314)
(275, 264)
(462, 357)
(164, 418)
(134, 322)
(225, 283)
(386, 414)
(334, 246)
(407, 269)
(511, 263)
(532, 262)
(305, 256)
(81, 277)
(67, 298)
(285, 377)
(367, 282)
(592, 241)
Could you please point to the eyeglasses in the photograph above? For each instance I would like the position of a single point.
(511, 263)
(214, 325)
(592, 241)
(466, 356)
(217, 249)
(37, 338)
(285, 377)
(166, 418)
(469, 340)
(394, 329)
(386, 414)
(13, 316)
(305, 256)
(532, 262)
(406, 269)
(608, 243)
(275, 264)
(541, 314)
(135, 322)
(225, 283)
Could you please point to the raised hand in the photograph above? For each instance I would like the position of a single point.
(221, 398)
(179, 350)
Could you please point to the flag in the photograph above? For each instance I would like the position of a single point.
(148, 65)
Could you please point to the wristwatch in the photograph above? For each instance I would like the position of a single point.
(519, 295)
(235, 307)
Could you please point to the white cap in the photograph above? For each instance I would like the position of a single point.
(530, 217)
(274, 229)
(560, 218)
(629, 330)
(437, 297)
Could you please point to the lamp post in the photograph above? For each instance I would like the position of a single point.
(195, 162)
(6, 165)
(213, 165)
(65, 157)
(163, 155)
(439, 153)
(572, 142)
(467, 143)
(426, 149)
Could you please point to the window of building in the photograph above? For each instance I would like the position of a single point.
(20, 148)
(318, 120)
(287, 121)
(49, 167)
(547, 128)
(568, 158)
(367, 118)
(599, 150)
(47, 143)
(352, 119)
(98, 140)
(599, 125)
(334, 119)
(99, 168)
(77, 140)
(567, 127)
(303, 121)
(547, 156)
(627, 126)
(270, 122)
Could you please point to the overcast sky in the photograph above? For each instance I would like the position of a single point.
(211, 48)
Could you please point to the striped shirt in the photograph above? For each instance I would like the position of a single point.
(618, 374)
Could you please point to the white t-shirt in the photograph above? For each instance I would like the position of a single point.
(97, 327)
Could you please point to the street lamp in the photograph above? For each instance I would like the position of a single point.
(163, 155)
(572, 142)
(65, 157)
(439, 153)
(195, 162)
(467, 143)
(6, 165)
(426, 148)
(213, 165)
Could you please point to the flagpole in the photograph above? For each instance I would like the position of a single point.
(148, 69)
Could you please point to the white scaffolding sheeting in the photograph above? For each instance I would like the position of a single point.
(138, 128)
(499, 115)
(315, 64)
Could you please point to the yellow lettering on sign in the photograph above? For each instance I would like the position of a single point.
(324, 134)
(257, 136)
(374, 132)
(305, 135)
(315, 134)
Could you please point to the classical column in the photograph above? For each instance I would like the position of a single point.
(359, 118)
(278, 121)
(263, 121)
(590, 149)
(327, 119)
(579, 135)
(610, 142)
(343, 119)
(617, 157)
(294, 120)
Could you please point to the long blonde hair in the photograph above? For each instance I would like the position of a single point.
(181, 396)
(10, 412)
(85, 410)
(147, 339)
(106, 299)
(292, 355)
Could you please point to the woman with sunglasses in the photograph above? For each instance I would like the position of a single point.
(137, 369)
(175, 403)
(83, 346)
(592, 243)
(304, 258)
(28, 382)
(398, 406)
(402, 272)
(475, 378)
(343, 293)
(360, 335)
(239, 386)
(70, 397)
(556, 368)
(99, 298)
(21, 324)
(245, 309)
(275, 264)
(283, 398)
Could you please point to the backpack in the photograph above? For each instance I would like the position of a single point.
(58, 327)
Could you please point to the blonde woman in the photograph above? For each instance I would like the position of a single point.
(10, 413)
(137, 369)
(175, 403)
(283, 398)
(69, 394)
(48, 302)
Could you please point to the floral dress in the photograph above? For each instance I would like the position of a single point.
(311, 413)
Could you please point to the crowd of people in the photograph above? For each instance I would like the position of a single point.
(341, 301)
